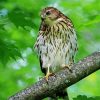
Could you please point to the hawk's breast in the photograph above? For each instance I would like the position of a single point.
(57, 47)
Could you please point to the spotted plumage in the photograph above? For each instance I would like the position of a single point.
(56, 42)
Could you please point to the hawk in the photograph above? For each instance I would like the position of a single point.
(56, 42)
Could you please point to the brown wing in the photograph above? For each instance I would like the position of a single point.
(40, 41)
(41, 63)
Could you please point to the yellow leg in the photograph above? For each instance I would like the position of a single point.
(48, 73)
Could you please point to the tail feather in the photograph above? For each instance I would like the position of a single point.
(62, 94)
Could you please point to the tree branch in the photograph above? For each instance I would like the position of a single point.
(60, 80)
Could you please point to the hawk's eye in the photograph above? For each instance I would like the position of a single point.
(48, 13)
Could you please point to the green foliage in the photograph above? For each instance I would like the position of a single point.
(19, 24)
(83, 97)
(20, 18)
(8, 50)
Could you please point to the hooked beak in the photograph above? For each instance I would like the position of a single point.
(43, 17)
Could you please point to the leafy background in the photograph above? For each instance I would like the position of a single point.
(19, 24)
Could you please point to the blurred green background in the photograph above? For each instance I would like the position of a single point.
(19, 25)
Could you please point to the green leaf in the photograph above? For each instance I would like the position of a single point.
(20, 18)
(8, 50)
(84, 97)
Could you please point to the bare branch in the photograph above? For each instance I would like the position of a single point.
(60, 80)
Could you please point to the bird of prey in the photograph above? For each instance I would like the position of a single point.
(56, 42)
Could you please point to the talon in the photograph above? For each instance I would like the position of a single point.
(67, 66)
(48, 73)
(47, 76)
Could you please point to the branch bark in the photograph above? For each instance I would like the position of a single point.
(60, 80)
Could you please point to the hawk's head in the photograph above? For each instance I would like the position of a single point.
(50, 15)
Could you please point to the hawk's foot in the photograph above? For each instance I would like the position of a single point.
(47, 75)
(67, 66)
